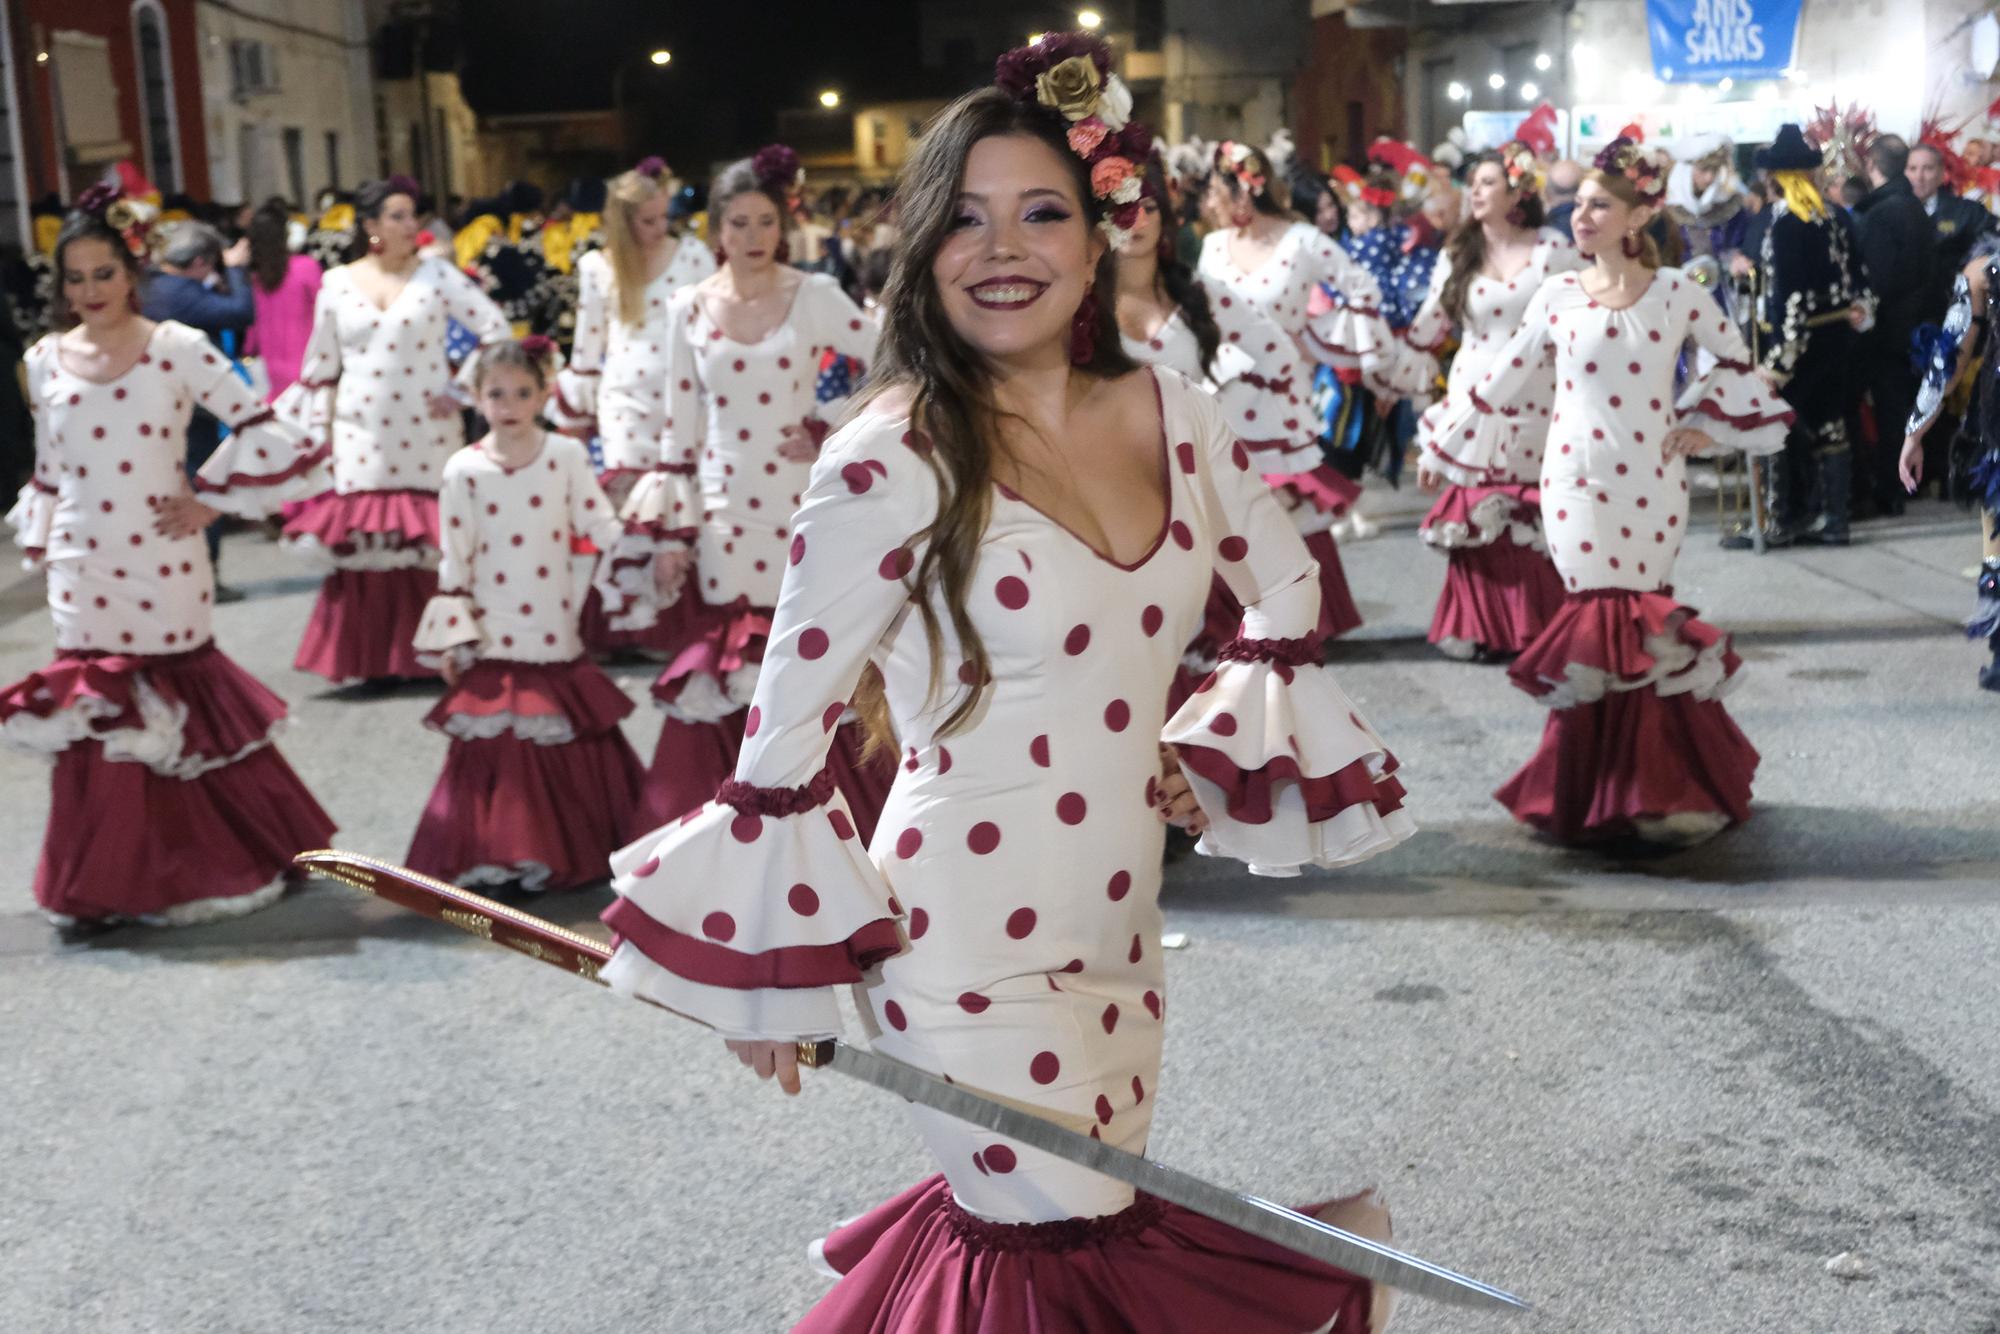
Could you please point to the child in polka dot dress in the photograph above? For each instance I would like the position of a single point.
(744, 420)
(375, 386)
(1638, 742)
(1002, 928)
(170, 804)
(539, 783)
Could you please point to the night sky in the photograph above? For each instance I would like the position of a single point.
(734, 63)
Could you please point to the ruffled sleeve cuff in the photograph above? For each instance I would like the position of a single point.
(624, 580)
(661, 505)
(1736, 408)
(263, 465)
(1285, 769)
(1465, 438)
(33, 515)
(748, 913)
(308, 406)
(449, 629)
(572, 408)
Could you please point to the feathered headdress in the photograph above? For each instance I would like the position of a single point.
(1843, 135)
(1069, 74)
(1410, 170)
(1937, 134)
(1537, 132)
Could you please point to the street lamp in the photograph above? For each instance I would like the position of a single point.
(662, 56)
(829, 99)
(1089, 20)
(1035, 38)
(1457, 91)
(1543, 60)
(1496, 81)
(1529, 92)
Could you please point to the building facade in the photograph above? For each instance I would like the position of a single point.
(286, 96)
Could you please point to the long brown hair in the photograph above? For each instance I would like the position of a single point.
(950, 395)
(628, 262)
(1175, 278)
(1466, 250)
(1619, 185)
(270, 243)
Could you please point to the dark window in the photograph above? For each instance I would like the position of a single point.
(156, 96)
(295, 161)
(332, 160)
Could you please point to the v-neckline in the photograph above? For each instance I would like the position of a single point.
(1166, 488)
(1270, 259)
(370, 302)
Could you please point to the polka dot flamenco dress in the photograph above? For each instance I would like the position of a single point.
(724, 492)
(169, 803)
(615, 387)
(1638, 741)
(540, 785)
(1500, 588)
(1258, 377)
(1003, 926)
(365, 390)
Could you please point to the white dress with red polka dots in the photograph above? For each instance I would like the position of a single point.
(1345, 331)
(722, 487)
(617, 374)
(1003, 928)
(144, 718)
(365, 388)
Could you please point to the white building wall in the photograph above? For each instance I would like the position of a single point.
(1227, 67)
(323, 88)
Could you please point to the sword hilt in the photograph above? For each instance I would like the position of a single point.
(812, 1055)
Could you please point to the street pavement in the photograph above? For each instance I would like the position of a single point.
(1653, 1095)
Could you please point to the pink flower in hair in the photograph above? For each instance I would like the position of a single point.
(654, 166)
(538, 346)
(1109, 176)
(1086, 135)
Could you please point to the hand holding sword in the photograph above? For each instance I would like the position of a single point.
(579, 954)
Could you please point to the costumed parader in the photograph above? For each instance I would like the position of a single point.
(1638, 742)
(169, 804)
(1500, 588)
(615, 386)
(539, 785)
(376, 387)
(1705, 199)
(1022, 545)
(1168, 316)
(745, 418)
(1813, 302)
(1965, 339)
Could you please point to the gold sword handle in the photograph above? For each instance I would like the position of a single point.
(812, 1055)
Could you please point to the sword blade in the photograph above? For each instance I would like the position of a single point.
(582, 956)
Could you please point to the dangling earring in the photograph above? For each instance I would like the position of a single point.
(1517, 216)
(1630, 245)
(1083, 330)
(785, 251)
(374, 245)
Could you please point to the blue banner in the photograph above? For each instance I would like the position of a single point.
(1705, 41)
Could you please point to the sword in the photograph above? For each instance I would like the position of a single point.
(579, 954)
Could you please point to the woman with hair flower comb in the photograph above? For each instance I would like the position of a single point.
(743, 425)
(1637, 743)
(1017, 529)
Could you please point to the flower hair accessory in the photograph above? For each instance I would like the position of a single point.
(653, 167)
(400, 184)
(1523, 168)
(778, 167)
(1069, 73)
(110, 207)
(538, 346)
(1646, 168)
(1240, 161)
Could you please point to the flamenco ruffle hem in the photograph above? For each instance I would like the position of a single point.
(540, 784)
(920, 1264)
(382, 547)
(1500, 587)
(1637, 742)
(169, 803)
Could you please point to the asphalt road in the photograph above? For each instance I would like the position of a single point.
(1649, 1096)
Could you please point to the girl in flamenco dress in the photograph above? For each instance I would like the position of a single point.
(375, 387)
(1500, 587)
(539, 784)
(1022, 545)
(1638, 742)
(169, 803)
(744, 423)
(1170, 316)
(615, 385)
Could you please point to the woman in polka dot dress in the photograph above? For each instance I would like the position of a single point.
(1500, 588)
(540, 784)
(169, 805)
(615, 385)
(1637, 741)
(744, 424)
(375, 386)
(1024, 585)
(1168, 316)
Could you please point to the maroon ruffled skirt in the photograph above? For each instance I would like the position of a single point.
(546, 812)
(363, 623)
(921, 1265)
(127, 840)
(1499, 596)
(344, 523)
(1640, 735)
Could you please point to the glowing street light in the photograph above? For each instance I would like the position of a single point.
(1457, 91)
(1530, 91)
(1496, 81)
(1089, 20)
(662, 56)
(1543, 61)
(829, 99)
(1035, 38)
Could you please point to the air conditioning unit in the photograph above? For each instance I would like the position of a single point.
(253, 69)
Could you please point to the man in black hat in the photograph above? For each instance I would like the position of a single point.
(1812, 300)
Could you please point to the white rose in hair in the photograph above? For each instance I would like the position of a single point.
(1114, 106)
